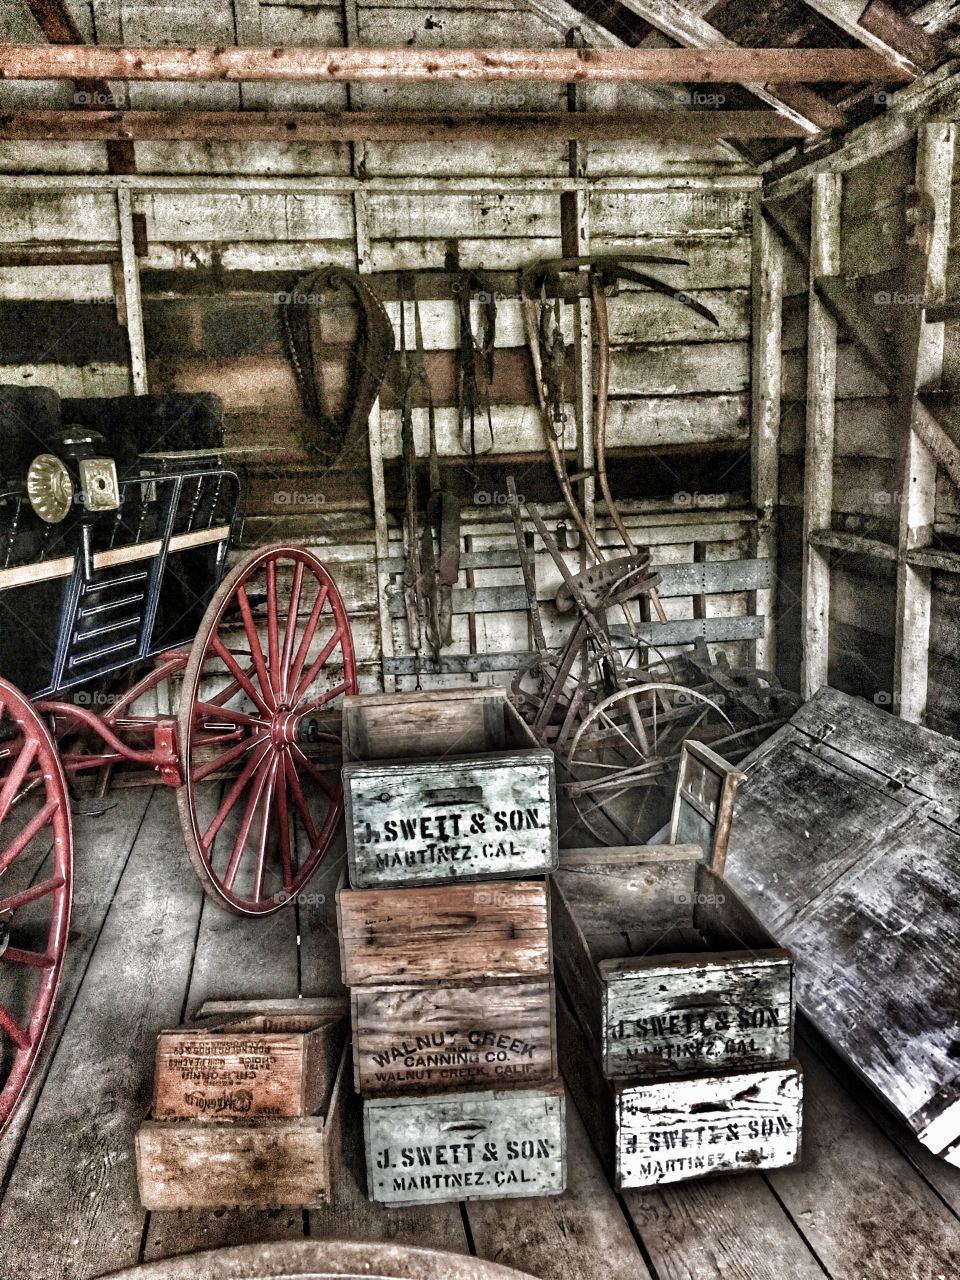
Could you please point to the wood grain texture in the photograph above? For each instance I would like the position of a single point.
(259, 1065)
(468, 1146)
(189, 1164)
(448, 1036)
(666, 971)
(497, 929)
(668, 1131)
(846, 843)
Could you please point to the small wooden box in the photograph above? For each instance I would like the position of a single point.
(251, 1066)
(453, 933)
(249, 1164)
(650, 1132)
(466, 1146)
(444, 786)
(414, 1039)
(667, 971)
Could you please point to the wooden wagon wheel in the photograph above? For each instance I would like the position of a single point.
(36, 880)
(606, 762)
(260, 747)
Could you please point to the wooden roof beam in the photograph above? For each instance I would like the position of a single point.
(723, 65)
(382, 126)
(56, 23)
(879, 27)
(680, 23)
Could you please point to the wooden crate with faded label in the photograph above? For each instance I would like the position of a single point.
(444, 786)
(254, 1065)
(248, 1164)
(412, 1039)
(673, 1129)
(667, 971)
(466, 1146)
(454, 933)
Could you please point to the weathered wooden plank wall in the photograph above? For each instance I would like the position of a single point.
(867, 498)
(216, 257)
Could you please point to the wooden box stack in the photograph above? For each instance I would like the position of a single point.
(446, 948)
(678, 1037)
(246, 1107)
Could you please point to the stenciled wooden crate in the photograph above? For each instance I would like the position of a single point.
(444, 786)
(466, 1146)
(247, 1164)
(247, 1066)
(455, 933)
(650, 1132)
(446, 1036)
(667, 971)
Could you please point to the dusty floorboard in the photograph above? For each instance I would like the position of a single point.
(867, 1200)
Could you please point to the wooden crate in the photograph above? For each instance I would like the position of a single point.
(247, 1066)
(667, 971)
(443, 1036)
(454, 933)
(466, 1146)
(650, 1132)
(249, 1164)
(444, 786)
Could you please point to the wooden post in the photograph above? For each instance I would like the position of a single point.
(922, 369)
(821, 405)
(131, 291)
(766, 357)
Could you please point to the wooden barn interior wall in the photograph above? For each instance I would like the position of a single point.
(882, 555)
(207, 235)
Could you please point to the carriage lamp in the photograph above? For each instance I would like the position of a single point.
(99, 484)
(50, 488)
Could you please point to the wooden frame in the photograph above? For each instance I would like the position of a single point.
(725, 65)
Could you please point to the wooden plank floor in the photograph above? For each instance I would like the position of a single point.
(867, 1201)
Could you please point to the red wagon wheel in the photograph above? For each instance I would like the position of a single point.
(260, 744)
(36, 877)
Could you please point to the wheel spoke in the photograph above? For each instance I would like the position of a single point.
(15, 777)
(273, 630)
(225, 758)
(33, 827)
(315, 666)
(35, 891)
(261, 779)
(300, 802)
(16, 1033)
(290, 630)
(256, 650)
(240, 676)
(232, 796)
(314, 772)
(283, 817)
(317, 703)
(215, 713)
(309, 632)
(260, 862)
(35, 959)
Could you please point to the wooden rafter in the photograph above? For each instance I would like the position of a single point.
(382, 126)
(727, 65)
(56, 22)
(879, 27)
(689, 29)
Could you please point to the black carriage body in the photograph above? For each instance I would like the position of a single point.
(90, 596)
